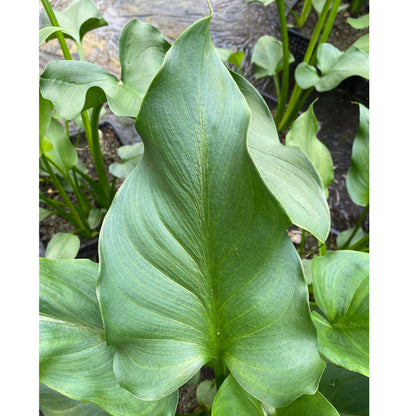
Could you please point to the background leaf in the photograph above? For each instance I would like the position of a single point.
(74, 86)
(335, 66)
(78, 18)
(74, 357)
(62, 153)
(63, 246)
(181, 282)
(206, 392)
(267, 57)
(343, 237)
(131, 155)
(303, 135)
(346, 390)
(340, 284)
(45, 116)
(308, 405)
(232, 400)
(43, 213)
(360, 22)
(286, 171)
(358, 175)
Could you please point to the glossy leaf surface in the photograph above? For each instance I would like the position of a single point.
(346, 390)
(73, 85)
(303, 135)
(358, 175)
(267, 57)
(74, 357)
(340, 284)
(308, 405)
(335, 66)
(78, 18)
(52, 403)
(286, 170)
(233, 400)
(181, 282)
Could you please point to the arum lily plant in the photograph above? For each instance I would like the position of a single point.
(196, 267)
(333, 65)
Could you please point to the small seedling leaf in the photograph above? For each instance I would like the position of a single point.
(62, 246)
(206, 392)
(302, 134)
(335, 66)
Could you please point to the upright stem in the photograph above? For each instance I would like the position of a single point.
(283, 121)
(286, 54)
(305, 13)
(96, 152)
(63, 194)
(59, 34)
(302, 243)
(220, 371)
(67, 55)
(328, 26)
(357, 226)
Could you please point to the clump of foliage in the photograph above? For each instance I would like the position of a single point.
(196, 267)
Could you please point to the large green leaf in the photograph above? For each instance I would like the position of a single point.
(340, 286)
(75, 359)
(52, 403)
(308, 405)
(267, 57)
(358, 175)
(285, 170)
(78, 18)
(346, 390)
(73, 85)
(334, 66)
(232, 400)
(195, 261)
(62, 153)
(303, 135)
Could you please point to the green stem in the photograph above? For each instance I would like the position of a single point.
(322, 249)
(83, 203)
(276, 84)
(356, 5)
(302, 243)
(362, 244)
(80, 52)
(97, 154)
(220, 371)
(328, 26)
(59, 34)
(286, 55)
(357, 226)
(63, 194)
(282, 122)
(305, 13)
